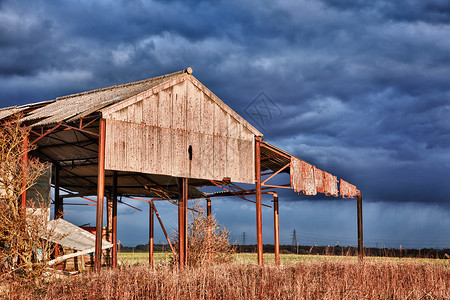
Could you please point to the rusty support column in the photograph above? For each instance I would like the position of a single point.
(182, 218)
(114, 221)
(208, 217)
(259, 240)
(360, 226)
(23, 197)
(100, 195)
(109, 220)
(276, 229)
(185, 218)
(150, 237)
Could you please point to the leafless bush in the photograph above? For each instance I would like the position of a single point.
(22, 247)
(207, 241)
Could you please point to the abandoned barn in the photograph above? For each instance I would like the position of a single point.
(161, 139)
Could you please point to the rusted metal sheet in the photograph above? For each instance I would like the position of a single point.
(309, 183)
(331, 188)
(319, 179)
(184, 121)
(347, 190)
(296, 174)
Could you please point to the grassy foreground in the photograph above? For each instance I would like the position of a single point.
(311, 278)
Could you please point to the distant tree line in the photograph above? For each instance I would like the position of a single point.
(322, 250)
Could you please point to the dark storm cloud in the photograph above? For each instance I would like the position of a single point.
(362, 86)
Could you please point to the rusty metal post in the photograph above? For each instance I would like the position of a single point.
(150, 238)
(114, 221)
(164, 229)
(185, 218)
(181, 222)
(109, 220)
(23, 197)
(208, 207)
(360, 226)
(100, 195)
(276, 229)
(259, 240)
(208, 217)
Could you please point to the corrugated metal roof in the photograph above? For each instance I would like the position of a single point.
(76, 106)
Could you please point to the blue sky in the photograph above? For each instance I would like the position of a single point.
(361, 87)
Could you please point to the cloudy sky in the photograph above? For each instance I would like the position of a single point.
(358, 88)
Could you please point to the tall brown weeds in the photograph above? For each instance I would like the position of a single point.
(317, 280)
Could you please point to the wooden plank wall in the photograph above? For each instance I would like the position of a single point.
(153, 136)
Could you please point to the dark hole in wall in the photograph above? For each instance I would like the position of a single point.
(190, 152)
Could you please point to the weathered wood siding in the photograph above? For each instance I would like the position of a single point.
(153, 135)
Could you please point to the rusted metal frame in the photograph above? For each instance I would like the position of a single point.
(185, 215)
(100, 195)
(274, 150)
(208, 217)
(44, 134)
(182, 218)
(114, 219)
(94, 118)
(23, 197)
(77, 159)
(83, 147)
(150, 233)
(229, 190)
(163, 229)
(259, 241)
(109, 228)
(120, 201)
(276, 228)
(268, 173)
(274, 174)
(360, 226)
(78, 176)
(78, 129)
(163, 190)
(242, 197)
(168, 200)
(284, 186)
(73, 195)
(270, 157)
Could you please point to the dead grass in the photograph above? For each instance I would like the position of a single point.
(324, 279)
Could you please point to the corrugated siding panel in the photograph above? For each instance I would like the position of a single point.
(207, 117)
(165, 108)
(179, 106)
(154, 134)
(150, 110)
(194, 109)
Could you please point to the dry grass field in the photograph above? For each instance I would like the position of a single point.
(300, 277)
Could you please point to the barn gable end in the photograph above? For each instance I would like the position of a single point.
(179, 129)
